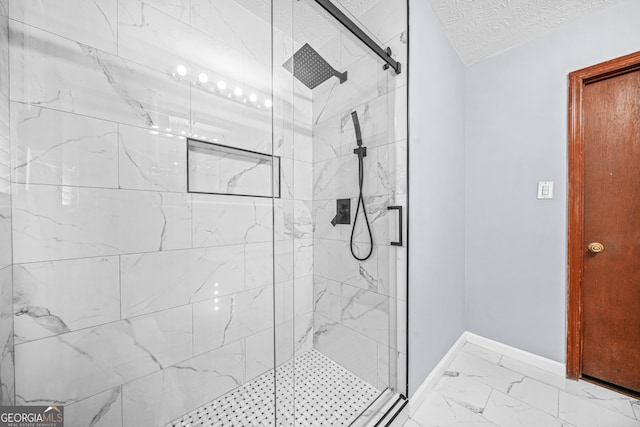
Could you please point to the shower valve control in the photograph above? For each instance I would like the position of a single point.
(343, 212)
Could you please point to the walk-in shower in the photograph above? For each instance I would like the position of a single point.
(167, 190)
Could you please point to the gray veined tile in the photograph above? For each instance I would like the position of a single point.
(507, 411)
(464, 391)
(485, 372)
(151, 160)
(327, 298)
(224, 220)
(7, 383)
(52, 222)
(534, 372)
(178, 9)
(166, 395)
(536, 394)
(82, 363)
(584, 413)
(90, 22)
(52, 298)
(58, 148)
(602, 397)
(227, 319)
(102, 410)
(78, 74)
(366, 312)
(160, 280)
(230, 23)
(636, 409)
(439, 410)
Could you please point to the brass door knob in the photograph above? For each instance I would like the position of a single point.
(595, 247)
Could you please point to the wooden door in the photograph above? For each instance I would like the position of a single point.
(608, 124)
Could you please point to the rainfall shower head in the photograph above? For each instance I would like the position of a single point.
(310, 68)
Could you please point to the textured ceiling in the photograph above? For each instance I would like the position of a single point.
(482, 28)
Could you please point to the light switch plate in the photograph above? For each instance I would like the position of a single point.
(545, 190)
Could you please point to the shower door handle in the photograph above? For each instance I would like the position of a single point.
(399, 209)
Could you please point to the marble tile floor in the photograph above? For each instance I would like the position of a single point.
(324, 394)
(482, 388)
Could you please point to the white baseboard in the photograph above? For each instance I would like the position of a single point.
(520, 355)
(515, 353)
(425, 388)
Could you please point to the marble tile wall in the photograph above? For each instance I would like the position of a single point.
(359, 315)
(148, 300)
(6, 279)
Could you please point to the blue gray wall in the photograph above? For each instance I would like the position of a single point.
(486, 255)
(436, 176)
(516, 135)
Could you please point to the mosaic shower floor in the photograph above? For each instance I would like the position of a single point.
(326, 394)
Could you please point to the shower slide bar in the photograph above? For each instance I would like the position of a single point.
(385, 54)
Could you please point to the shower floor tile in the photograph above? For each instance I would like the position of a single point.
(326, 394)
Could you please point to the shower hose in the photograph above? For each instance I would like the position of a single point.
(361, 152)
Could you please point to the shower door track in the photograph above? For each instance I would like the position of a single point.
(384, 54)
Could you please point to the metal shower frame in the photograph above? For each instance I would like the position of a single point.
(384, 54)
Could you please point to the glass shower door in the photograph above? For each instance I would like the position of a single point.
(342, 126)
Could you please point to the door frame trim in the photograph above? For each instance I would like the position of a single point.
(575, 194)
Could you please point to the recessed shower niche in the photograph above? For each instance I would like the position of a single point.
(220, 169)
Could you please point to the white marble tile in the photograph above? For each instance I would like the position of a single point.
(385, 19)
(5, 227)
(362, 86)
(224, 121)
(534, 372)
(52, 222)
(302, 257)
(636, 409)
(439, 410)
(53, 72)
(323, 212)
(304, 333)
(303, 141)
(375, 124)
(485, 372)
(300, 224)
(584, 413)
(602, 397)
(260, 350)
(327, 140)
(333, 260)
(101, 410)
(303, 180)
(366, 312)
(327, 298)
(220, 321)
(150, 160)
(536, 394)
(82, 363)
(507, 411)
(52, 298)
(228, 22)
(89, 22)
(160, 398)
(330, 178)
(4, 7)
(258, 264)
(53, 147)
(159, 280)
(178, 9)
(6, 338)
(224, 220)
(352, 350)
(303, 295)
(464, 391)
(284, 262)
